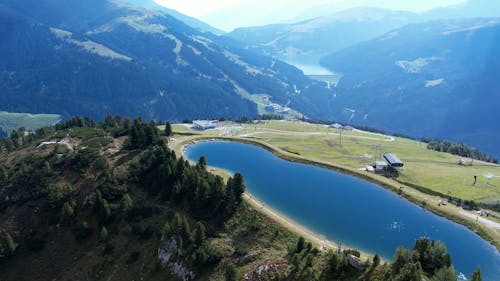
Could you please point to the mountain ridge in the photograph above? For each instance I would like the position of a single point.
(134, 61)
(307, 41)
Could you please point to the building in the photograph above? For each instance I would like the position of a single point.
(336, 126)
(380, 166)
(203, 125)
(393, 160)
(348, 128)
(356, 262)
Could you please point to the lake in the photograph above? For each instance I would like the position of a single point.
(345, 209)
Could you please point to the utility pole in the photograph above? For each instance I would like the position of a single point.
(340, 129)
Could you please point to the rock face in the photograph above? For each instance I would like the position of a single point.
(265, 271)
(166, 254)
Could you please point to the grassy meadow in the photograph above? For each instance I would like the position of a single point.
(11, 121)
(426, 168)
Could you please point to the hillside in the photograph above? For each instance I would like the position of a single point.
(13, 121)
(85, 200)
(94, 201)
(432, 79)
(97, 57)
(307, 41)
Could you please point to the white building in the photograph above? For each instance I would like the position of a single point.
(380, 165)
(336, 126)
(203, 125)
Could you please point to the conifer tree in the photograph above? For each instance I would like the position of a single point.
(476, 276)
(168, 129)
(11, 245)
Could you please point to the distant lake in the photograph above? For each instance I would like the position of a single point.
(346, 209)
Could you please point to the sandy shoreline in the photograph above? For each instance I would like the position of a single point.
(315, 238)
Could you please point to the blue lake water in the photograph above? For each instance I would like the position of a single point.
(345, 209)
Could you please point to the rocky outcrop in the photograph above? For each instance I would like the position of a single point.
(266, 271)
(167, 253)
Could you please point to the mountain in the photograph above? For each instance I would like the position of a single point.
(435, 79)
(307, 41)
(193, 22)
(98, 57)
(466, 9)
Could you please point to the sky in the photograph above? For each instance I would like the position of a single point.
(230, 14)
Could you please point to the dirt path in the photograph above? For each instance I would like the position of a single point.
(275, 131)
(486, 222)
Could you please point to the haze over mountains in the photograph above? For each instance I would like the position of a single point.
(307, 41)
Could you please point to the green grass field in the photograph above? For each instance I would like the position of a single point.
(11, 121)
(430, 171)
(433, 170)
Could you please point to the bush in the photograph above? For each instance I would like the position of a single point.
(82, 231)
(133, 257)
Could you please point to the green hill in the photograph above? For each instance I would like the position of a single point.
(110, 201)
(12, 121)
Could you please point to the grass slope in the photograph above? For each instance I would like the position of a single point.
(12, 121)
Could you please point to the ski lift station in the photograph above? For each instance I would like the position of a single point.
(393, 160)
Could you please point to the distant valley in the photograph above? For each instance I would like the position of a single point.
(428, 74)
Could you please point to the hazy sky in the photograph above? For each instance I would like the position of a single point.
(229, 14)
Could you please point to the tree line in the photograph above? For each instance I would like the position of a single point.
(459, 149)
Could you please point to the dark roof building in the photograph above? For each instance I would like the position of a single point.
(393, 160)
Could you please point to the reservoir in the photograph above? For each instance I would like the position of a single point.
(345, 209)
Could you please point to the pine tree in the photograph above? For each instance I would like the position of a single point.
(186, 229)
(238, 187)
(166, 231)
(104, 233)
(177, 224)
(168, 129)
(376, 260)
(202, 163)
(300, 245)
(476, 276)
(200, 233)
(3, 174)
(445, 274)
(11, 245)
(68, 210)
(231, 273)
(127, 202)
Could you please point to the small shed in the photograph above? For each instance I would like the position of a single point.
(336, 126)
(355, 262)
(380, 165)
(393, 160)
